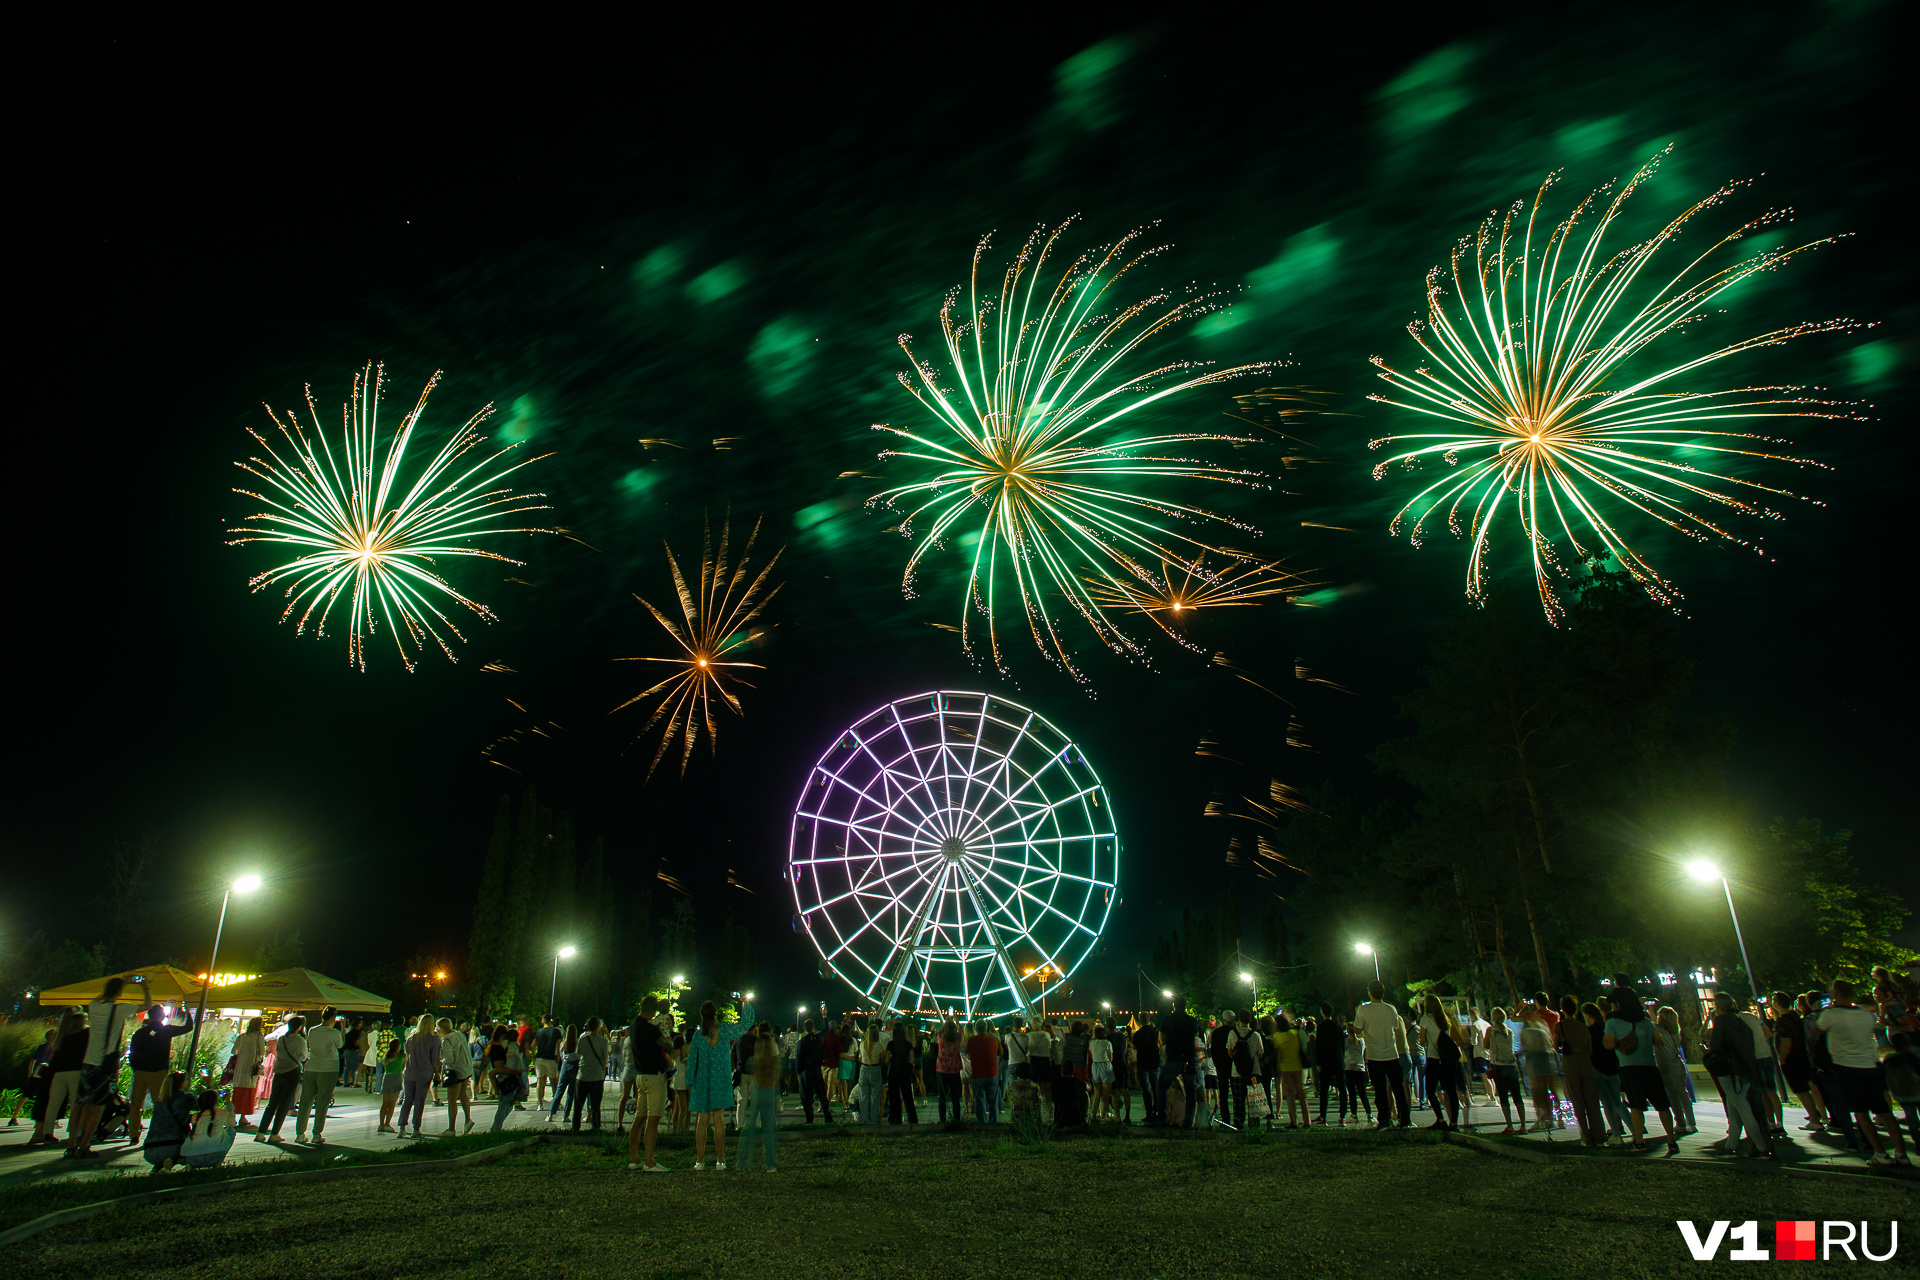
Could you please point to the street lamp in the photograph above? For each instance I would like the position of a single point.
(564, 953)
(1366, 949)
(1706, 873)
(244, 885)
(1247, 978)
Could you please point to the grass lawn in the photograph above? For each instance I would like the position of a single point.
(1132, 1204)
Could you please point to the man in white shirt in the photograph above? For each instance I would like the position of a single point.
(1772, 1116)
(1383, 1038)
(100, 1068)
(1863, 1081)
(317, 1083)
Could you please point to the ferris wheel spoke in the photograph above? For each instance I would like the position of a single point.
(879, 833)
(1040, 810)
(865, 887)
(1050, 872)
(1037, 901)
(886, 775)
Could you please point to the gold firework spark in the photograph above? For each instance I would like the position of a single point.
(1180, 590)
(1026, 450)
(370, 533)
(1529, 375)
(714, 624)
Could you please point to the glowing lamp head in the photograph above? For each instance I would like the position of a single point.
(246, 884)
(566, 953)
(1246, 977)
(1166, 995)
(1703, 871)
(1364, 948)
(679, 979)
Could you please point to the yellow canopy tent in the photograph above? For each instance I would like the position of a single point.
(300, 989)
(164, 983)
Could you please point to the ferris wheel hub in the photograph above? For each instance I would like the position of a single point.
(954, 849)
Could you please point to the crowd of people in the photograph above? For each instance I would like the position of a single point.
(1597, 1067)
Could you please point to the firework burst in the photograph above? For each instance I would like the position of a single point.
(1030, 453)
(714, 621)
(1181, 590)
(371, 535)
(1528, 374)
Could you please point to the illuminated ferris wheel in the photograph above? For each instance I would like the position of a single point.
(947, 845)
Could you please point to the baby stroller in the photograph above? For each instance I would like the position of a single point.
(113, 1120)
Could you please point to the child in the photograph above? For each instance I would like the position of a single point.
(391, 1067)
(211, 1136)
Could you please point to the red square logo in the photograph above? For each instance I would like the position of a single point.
(1793, 1242)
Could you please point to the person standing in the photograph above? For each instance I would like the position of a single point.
(946, 1070)
(1179, 1030)
(1353, 1069)
(353, 1051)
(590, 1074)
(546, 1062)
(1147, 1066)
(710, 1080)
(899, 1072)
(423, 1063)
(106, 1024)
(1629, 1034)
(456, 1059)
(1673, 1070)
(317, 1082)
(1796, 1066)
(1383, 1043)
(1242, 1054)
(762, 1081)
(289, 1061)
(1496, 1046)
(150, 1054)
(1120, 1035)
(1576, 1044)
(569, 1069)
(65, 1065)
(1849, 1032)
(1443, 1063)
(1769, 1105)
(389, 1078)
(983, 1070)
(873, 1074)
(249, 1047)
(1735, 1069)
(811, 1061)
(650, 1051)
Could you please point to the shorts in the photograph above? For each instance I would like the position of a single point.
(649, 1097)
(1799, 1077)
(546, 1069)
(1538, 1064)
(1644, 1088)
(453, 1078)
(1865, 1089)
(627, 1076)
(390, 1080)
(1103, 1073)
(97, 1083)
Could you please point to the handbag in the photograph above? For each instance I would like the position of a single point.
(226, 1072)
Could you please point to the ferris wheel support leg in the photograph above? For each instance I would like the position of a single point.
(993, 939)
(896, 974)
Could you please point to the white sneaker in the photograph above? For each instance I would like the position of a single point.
(319, 1141)
(655, 1168)
(469, 1128)
(700, 1165)
(720, 1165)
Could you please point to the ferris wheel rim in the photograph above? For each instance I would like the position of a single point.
(914, 840)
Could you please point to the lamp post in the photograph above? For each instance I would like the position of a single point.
(1366, 949)
(245, 884)
(564, 953)
(1706, 872)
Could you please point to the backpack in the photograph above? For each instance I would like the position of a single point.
(1449, 1048)
(1241, 1051)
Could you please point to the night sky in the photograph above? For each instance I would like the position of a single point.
(638, 232)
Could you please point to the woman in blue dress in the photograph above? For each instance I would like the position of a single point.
(710, 1080)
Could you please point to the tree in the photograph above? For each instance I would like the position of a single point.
(1807, 918)
(129, 914)
(489, 976)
